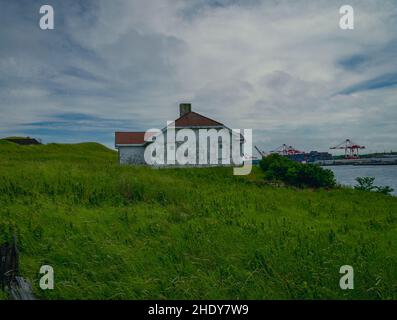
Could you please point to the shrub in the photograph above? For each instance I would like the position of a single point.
(277, 167)
(367, 184)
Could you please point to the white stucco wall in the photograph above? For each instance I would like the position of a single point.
(135, 154)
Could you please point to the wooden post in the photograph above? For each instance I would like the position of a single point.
(18, 287)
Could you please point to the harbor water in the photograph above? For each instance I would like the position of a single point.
(384, 175)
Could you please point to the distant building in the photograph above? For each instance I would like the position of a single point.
(131, 145)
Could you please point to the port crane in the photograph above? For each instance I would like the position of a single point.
(287, 150)
(351, 148)
(262, 153)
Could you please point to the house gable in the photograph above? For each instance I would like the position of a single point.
(194, 119)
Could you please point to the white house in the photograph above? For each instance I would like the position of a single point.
(131, 146)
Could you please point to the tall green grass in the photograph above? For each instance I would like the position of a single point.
(118, 232)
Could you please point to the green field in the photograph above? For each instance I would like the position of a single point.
(117, 232)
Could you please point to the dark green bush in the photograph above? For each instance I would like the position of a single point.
(277, 167)
(367, 184)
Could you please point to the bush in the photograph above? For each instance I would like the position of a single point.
(367, 184)
(277, 167)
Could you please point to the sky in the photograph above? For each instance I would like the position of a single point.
(282, 68)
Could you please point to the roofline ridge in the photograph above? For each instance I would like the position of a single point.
(200, 116)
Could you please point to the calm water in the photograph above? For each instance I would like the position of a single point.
(384, 175)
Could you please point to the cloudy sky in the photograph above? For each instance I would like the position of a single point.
(282, 68)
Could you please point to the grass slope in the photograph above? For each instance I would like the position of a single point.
(117, 232)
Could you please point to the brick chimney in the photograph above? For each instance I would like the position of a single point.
(185, 108)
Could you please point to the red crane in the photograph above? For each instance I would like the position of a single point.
(287, 150)
(351, 149)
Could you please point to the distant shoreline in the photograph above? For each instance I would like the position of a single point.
(359, 162)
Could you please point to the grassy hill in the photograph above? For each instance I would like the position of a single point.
(117, 232)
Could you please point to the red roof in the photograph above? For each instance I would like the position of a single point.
(190, 119)
(193, 119)
(131, 137)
